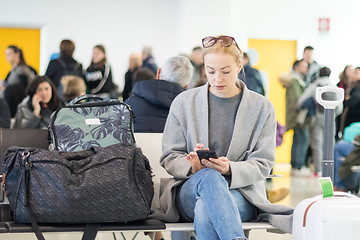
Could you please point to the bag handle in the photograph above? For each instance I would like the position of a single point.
(85, 97)
(345, 194)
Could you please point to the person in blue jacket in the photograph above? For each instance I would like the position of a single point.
(251, 77)
(151, 99)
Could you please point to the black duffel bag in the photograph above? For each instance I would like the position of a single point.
(110, 184)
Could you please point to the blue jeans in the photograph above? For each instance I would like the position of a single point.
(342, 149)
(351, 182)
(217, 211)
(299, 147)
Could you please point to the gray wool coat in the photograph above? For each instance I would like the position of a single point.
(251, 152)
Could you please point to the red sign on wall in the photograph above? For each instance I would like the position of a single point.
(324, 24)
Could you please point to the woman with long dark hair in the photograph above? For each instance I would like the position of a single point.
(36, 109)
(98, 77)
(346, 78)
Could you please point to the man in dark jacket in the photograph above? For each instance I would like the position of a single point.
(251, 77)
(151, 99)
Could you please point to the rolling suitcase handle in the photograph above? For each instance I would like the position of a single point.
(329, 112)
(336, 194)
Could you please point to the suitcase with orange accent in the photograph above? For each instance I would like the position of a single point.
(334, 218)
(330, 218)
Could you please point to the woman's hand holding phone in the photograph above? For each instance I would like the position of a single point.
(220, 164)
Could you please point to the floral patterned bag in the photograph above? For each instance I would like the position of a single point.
(96, 123)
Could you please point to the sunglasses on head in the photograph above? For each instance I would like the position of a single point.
(225, 41)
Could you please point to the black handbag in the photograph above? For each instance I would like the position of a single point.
(110, 184)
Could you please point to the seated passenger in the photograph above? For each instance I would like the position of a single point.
(151, 99)
(141, 74)
(218, 194)
(134, 63)
(342, 149)
(73, 87)
(36, 109)
(349, 178)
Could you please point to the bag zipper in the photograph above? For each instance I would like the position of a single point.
(25, 157)
(94, 166)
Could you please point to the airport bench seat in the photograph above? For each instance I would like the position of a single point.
(150, 144)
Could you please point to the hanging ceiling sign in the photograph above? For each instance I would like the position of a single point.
(324, 25)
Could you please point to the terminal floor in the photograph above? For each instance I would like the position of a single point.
(300, 188)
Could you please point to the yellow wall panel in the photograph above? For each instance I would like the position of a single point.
(276, 57)
(26, 39)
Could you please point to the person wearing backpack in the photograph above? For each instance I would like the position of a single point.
(98, 77)
(64, 65)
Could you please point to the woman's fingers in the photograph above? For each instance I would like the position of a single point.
(198, 146)
(220, 164)
(193, 158)
(193, 155)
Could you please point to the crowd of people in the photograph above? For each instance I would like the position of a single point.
(97, 78)
(306, 117)
(186, 99)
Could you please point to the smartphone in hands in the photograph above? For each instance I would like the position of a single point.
(206, 154)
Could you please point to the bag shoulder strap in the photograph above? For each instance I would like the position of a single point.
(75, 67)
(90, 232)
(34, 225)
(62, 63)
(102, 82)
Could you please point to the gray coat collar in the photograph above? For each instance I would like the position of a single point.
(204, 116)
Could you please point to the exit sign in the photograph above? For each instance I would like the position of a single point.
(324, 24)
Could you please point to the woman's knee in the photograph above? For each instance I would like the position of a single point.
(210, 175)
